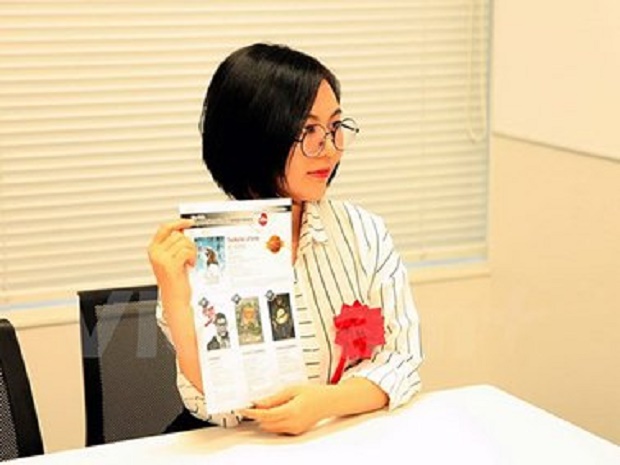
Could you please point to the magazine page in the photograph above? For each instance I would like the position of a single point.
(243, 300)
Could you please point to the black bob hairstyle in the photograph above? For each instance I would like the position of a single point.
(255, 107)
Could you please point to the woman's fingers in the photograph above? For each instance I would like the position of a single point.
(266, 415)
(166, 229)
(278, 420)
(173, 240)
(170, 250)
(183, 252)
(293, 410)
(168, 239)
(281, 427)
(277, 399)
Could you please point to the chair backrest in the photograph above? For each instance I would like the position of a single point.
(129, 366)
(20, 435)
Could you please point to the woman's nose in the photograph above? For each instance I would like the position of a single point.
(329, 148)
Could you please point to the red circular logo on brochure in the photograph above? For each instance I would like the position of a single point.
(262, 219)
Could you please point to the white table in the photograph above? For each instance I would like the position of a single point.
(476, 425)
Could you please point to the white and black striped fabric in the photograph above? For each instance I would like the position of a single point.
(345, 254)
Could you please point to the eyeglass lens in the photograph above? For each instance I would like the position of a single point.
(314, 138)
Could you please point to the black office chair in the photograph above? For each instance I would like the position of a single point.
(20, 435)
(129, 367)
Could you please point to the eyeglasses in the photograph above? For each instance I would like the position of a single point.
(314, 136)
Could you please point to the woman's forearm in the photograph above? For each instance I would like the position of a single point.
(181, 326)
(354, 395)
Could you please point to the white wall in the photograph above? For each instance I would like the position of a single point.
(555, 305)
(556, 73)
(555, 207)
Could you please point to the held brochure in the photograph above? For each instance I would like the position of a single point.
(243, 300)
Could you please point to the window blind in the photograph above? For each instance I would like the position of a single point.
(100, 102)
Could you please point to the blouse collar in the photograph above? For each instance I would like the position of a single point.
(312, 227)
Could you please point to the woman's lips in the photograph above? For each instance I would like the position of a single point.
(321, 174)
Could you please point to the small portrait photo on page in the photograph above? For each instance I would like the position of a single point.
(249, 325)
(281, 316)
(211, 258)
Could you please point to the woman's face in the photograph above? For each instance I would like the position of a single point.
(306, 178)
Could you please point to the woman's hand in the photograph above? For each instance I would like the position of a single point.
(169, 253)
(294, 410)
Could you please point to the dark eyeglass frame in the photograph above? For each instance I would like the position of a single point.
(348, 123)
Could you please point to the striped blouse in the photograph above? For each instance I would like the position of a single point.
(344, 254)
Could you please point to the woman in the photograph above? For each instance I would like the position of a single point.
(272, 126)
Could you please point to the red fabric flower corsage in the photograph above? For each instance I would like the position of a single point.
(359, 329)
